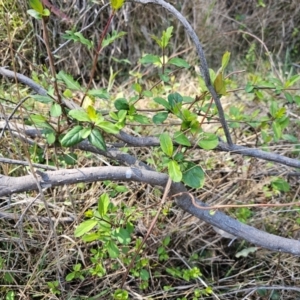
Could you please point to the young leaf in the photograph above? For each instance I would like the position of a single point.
(178, 62)
(85, 132)
(219, 84)
(166, 144)
(108, 127)
(42, 99)
(96, 139)
(83, 40)
(225, 60)
(112, 249)
(111, 38)
(116, 4)
(166, 37)
(103, 204)
(50, 137)
(209, 141)
(34, 14)
(174, 171)
(92, 113)
(80, 115)
(181, 139)
(55, 110)
(85, 227)
(36, 5)
(99, 93)
(72, 137)
(245, 252)
(40, 121)
(291, 81)
(141, 119)
(68, 80)
(150, 59)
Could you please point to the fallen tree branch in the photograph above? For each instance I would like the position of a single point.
(9, 185)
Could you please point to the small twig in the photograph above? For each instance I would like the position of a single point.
(94, 66)
(225, 206)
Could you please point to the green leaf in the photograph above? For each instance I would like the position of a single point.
(96, 139)
(160, 117)
(36, 5)
(181, 139)
(219, 84)
(166, 35)
(225, 60)
(193, 176)
(277, 130)
(72, 137)
(150, 59)
(246, 252)
(121, 104)
(162, 102)
(91, 237)
(99, 93)
(103, 204)
(68, 80)
(178, 62)
(137, 87)
(55, 110)
(40, 121)
(144, 274)
(108, 127)
(116, 4)
(79, 115)
(209, 141)
(174, 171)
(85, 227)
(109, 39)
(112, 249)
(292, 81)
(280, 185)
(46, 12)
(85, 132)
(141, 119)
(83, 40)
(249, 88)
(50, 137)
(92, 113)
(34, 14)
(70, 276)
(289, 97)
(147, 93)
(42, 99)
(122, 236)
(174, 99)
(166, 144)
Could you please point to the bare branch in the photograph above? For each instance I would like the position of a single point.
(9, 185)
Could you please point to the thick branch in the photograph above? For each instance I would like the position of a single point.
(9, 185)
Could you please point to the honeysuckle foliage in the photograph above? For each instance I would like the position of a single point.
(179, 117)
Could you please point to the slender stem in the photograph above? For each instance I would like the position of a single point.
(99, 48)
